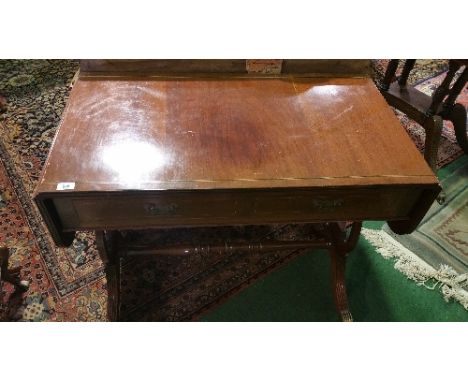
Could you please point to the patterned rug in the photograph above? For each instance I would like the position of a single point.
(68, 284)
(435, 255)
(442, 236)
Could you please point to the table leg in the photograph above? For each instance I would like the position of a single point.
(107, 243)
(338, 259)
(338, 251)
(111, 246)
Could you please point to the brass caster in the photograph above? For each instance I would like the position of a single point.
(441, 199)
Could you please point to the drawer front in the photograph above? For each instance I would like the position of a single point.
(181, 208)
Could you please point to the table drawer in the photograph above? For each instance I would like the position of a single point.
(183, 208)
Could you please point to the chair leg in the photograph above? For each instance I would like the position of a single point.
(458, 117)
(3, 104)
(10, 276)
(433, 127)
(443, 88)
(409, 65)
(456, 89)
(389, 74)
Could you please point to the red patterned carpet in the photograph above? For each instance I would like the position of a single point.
(68, 284)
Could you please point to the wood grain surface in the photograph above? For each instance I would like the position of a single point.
(189, 150)
(190, 133)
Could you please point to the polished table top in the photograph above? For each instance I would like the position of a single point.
(199, 133)
(137, 152)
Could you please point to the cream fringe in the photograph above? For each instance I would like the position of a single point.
(446, 279)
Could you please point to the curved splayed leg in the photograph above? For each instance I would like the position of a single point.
(341, 245)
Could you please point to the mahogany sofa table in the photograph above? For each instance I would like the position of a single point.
(136, 153)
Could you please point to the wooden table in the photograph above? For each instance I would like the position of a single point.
(191, 150)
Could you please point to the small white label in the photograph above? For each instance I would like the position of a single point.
(65, 186)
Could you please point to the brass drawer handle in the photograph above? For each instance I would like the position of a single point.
(327, 204)
(156, 209)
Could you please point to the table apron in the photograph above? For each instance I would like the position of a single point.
(160, 209)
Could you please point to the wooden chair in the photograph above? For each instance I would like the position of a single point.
(429, 111)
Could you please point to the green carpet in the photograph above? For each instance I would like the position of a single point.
(301, 291)
(442, 236)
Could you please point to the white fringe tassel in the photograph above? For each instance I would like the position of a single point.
(446, 279)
